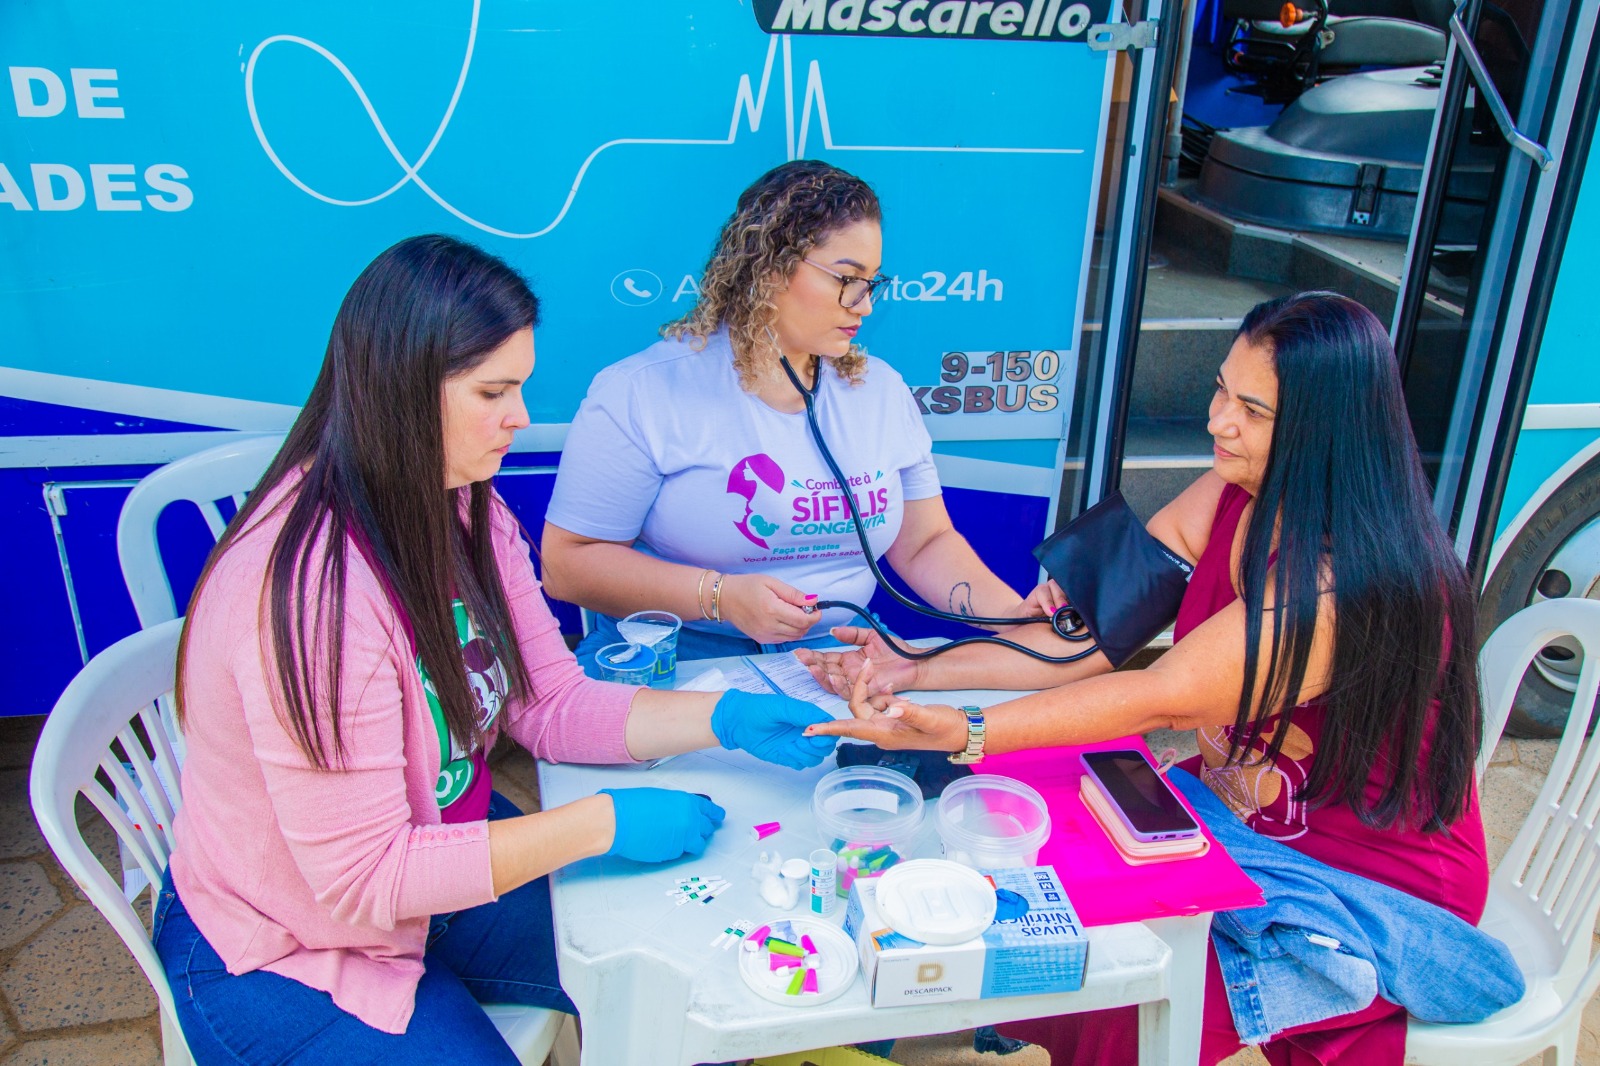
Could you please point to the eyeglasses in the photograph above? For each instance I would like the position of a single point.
(852, 290)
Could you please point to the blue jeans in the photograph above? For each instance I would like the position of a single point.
(1327, 941)
(501, 952)
(692, 643)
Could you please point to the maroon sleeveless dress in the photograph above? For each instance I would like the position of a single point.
(1449, 869)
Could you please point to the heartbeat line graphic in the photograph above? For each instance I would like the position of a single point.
(748, 103)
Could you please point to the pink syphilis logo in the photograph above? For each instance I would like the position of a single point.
(744, 481)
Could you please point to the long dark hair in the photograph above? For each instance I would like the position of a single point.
(370, 441)
(1345, 496)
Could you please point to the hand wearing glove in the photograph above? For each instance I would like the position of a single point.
(661, 824)
(769, 726)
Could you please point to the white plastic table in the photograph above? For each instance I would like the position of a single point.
(652, 991)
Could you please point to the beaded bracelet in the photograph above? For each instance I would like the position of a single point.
(716, 599)
(700, 594)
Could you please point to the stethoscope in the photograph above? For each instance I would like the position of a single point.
(1066, 622)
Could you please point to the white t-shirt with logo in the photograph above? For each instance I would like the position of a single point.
(669, 452)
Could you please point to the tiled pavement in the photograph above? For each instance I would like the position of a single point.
(71, 995)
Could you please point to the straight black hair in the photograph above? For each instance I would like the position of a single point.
(1345, 498)
(370, 442)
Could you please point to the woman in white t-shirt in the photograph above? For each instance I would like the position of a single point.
(690, 481)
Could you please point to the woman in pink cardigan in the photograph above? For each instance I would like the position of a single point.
(346, 886)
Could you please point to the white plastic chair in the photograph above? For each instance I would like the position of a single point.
(94, 732)
(1544, 896)
(229, 470)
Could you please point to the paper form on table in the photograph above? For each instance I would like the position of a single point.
(790, 677)
(741, 676)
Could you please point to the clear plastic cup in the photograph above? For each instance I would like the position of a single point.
(990, 822)
(626, 664)
(869, 817)
(657, 630)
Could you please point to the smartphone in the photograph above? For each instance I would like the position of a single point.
(1143, 802)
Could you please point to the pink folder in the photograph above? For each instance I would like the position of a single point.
(1104, 889)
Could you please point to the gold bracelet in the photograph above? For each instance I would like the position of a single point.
(700, 594)
(716, 599)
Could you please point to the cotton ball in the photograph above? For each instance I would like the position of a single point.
(775, 893)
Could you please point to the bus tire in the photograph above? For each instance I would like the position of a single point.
(1569, 518)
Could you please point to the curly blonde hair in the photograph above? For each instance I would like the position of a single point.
(778, 220)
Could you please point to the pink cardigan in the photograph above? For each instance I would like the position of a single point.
(330, 877)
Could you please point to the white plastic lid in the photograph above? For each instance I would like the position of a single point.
(936, 901)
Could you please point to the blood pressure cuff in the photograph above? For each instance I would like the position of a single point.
(1125, 584)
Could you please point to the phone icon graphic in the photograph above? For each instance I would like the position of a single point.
(636, 287)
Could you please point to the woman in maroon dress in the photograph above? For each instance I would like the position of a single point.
(1323, 654)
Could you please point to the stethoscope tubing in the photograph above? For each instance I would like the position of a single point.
(1065, 621)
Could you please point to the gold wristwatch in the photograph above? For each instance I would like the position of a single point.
(974, 749)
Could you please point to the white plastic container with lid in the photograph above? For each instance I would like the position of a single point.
(869, 817)
(990, 822)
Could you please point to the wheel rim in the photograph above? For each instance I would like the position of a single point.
(1574, 570)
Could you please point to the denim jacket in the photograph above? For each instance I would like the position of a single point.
(1326, 942)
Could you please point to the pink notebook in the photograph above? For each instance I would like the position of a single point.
(1104, 889)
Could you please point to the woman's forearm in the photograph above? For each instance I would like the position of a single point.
(1093, 709)
(532, 845)
(1086, 711)
(1195, 684)
(615, 579)
(994, 666)
(948, 575)
(662, 723)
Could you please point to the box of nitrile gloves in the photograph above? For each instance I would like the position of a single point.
(1032, 947)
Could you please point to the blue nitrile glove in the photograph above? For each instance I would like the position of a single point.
(661, 824)
(769, 726)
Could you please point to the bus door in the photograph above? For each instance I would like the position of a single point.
(1493, 330)
(1312, 165)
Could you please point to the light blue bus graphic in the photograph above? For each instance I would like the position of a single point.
(187, 192)
(189, 218)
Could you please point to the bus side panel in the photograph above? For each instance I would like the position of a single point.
(1566, 373)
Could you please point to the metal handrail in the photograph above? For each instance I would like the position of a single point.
(1490, 95)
